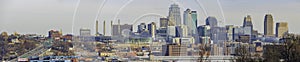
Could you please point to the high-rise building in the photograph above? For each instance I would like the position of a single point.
(152, 29)
(174, 15)
(218, 35)
(162, 32)
(181, 31)
(195, 17)
(190, 20)
(281, 29)
(268, 25)
(171, 31)
(212, 21)
(229, 35)
(187, 18)
(204, 33)
(174, 50)
(163, 22)
(117, 29)
(204, 30)
(248, 22)
(85, 32)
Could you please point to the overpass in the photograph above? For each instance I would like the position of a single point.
(190, 58)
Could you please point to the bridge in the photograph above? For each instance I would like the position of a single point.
(36, 51)
(189, 58)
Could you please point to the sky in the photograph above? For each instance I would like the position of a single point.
(40, 16)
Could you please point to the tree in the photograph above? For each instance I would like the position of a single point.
(291, 51)
(204, 50)
(4, 36)
(243, 54)
(287, 51)
(272, 53)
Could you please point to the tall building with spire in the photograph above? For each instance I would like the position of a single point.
(248, 21)
(268, 25)
(247, 25)
(174, 14)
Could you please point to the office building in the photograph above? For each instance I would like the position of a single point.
(204, 34)
(117, 29)
(152, 29)
(162, 32)
(174, 15)
(212, 21)
(268, 25)
(248, 26)
(190, 20)
(218, 35)
(204, 30)
(171, 31)
(229, 35)
(174, 50)
(181, 31)
(195, 17)
(281, 29)
(247, 21)
(85, 32)
(163, 22)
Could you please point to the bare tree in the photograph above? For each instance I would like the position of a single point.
(204, 50)
(243, 54)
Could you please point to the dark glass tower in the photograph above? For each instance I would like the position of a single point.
(211, 21)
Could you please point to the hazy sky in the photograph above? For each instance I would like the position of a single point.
(40, 16)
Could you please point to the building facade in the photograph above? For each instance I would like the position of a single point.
(174, 14)
(211, 21)
(268, 25)
(281, 29)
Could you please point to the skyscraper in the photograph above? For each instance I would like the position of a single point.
(174, 14)
(247, 25)
(268, 25)
(152, 29)
(194, 17)
(281, 29)
(190, 20)
(248, 21)
(211, 21)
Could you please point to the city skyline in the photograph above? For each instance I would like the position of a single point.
(31, 13)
